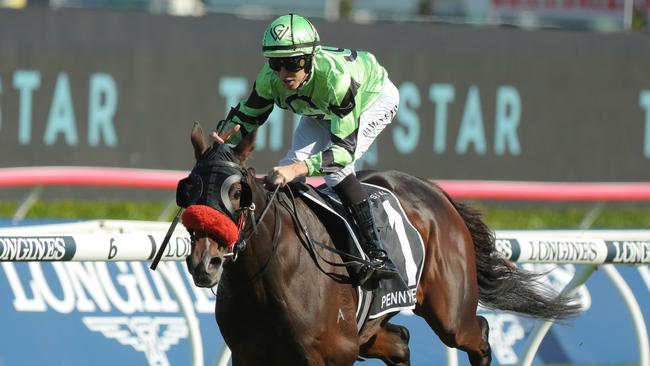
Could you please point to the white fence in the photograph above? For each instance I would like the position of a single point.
(105, 240)
(116, 240)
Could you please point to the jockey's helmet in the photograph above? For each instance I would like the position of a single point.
(290, 36)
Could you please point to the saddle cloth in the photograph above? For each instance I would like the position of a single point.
(398, 237)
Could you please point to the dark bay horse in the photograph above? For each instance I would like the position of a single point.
(278, 303)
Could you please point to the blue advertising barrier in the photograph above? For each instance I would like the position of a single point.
(80, 312)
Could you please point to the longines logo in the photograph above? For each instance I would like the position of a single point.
(153, 336)
(279, 31)
(54, 248)
(114, 299)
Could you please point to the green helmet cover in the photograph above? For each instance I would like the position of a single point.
(290, 35)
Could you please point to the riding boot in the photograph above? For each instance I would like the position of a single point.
(382, 267)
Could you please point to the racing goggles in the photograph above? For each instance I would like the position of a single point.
(291, 64)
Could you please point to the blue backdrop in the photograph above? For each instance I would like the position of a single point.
(99, 313)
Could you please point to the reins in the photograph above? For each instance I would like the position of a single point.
(248, 214)
(303, 235)
(352, 259)
(161, 250)
(240, 244)
(275, 245)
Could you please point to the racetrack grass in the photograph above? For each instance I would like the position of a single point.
(75, 209)
(497, 216)
(566, 218)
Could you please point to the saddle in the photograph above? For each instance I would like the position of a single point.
(397, 235)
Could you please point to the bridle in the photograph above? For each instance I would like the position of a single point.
(241, 216)
(246, 214)
(191, 189)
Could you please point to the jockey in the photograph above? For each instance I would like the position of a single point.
(345, 99)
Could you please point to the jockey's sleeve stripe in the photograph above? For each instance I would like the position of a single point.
(256, 101)
(348, 103)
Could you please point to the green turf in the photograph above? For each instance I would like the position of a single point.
(561, 218)
(69, 209)
(497, 216)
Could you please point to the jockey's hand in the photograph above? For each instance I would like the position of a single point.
(281, 175)
(224, 135)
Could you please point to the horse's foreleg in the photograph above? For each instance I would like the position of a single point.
(390, 344)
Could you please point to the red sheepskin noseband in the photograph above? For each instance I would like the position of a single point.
(206, 218)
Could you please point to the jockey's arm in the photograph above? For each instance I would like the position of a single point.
(249, 114)
(339, 155)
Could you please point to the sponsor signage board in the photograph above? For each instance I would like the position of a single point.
(69, 310)
(78, 313)
(476, 103)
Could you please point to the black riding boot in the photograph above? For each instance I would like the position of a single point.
(382, 267)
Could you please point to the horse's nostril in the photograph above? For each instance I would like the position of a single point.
(215, 262)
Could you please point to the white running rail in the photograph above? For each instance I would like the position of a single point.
(110, 240)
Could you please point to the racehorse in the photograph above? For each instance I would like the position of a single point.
(281, 301)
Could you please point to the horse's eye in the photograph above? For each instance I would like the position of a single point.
(237, 195)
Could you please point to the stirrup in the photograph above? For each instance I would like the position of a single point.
(370, 277)
(386, 270)
(377, 270)
(378, 257)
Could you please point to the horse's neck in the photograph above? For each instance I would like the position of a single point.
(280, 288)
(257, 269)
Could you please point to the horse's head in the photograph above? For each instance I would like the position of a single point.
(215, 196)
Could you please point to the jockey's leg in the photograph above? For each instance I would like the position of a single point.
(371, 123)
(355, 197)
(309, 137)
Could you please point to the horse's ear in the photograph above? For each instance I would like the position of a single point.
(246, 146)
(198, 142)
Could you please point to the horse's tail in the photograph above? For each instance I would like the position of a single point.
(504, 286)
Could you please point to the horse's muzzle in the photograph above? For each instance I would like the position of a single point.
(207, 272)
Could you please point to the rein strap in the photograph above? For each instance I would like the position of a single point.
(168, 236)
(240, 244)
(352, 259)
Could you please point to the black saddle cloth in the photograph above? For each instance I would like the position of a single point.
(333, 214)
(397, 236)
